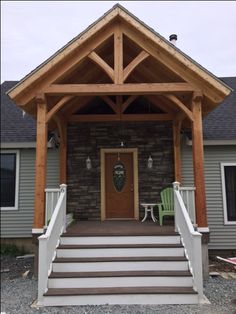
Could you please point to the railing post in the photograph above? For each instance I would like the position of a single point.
(63, 188)
(43, 268)
(198, 275)
(175, 188)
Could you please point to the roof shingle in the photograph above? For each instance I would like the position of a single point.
(15, 126)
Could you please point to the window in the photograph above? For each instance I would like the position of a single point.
(228, 175)
(9, 179)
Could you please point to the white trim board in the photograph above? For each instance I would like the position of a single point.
(222, 165)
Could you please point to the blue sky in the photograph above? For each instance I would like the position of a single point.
(31, 31)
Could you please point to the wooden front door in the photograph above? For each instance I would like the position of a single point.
(119, 186)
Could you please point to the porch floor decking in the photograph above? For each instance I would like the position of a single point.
(118, 228)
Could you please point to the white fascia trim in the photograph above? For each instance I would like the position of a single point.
(17, 152)
(203, 229)
(214, 142)
(37, 230)
(222, 166)
(21, 145)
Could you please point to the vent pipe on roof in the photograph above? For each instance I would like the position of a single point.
(173, 39)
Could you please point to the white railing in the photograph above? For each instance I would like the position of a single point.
(52, 196)
(188, 196)
(49, 241)
(191, 240)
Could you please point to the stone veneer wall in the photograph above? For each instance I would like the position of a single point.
(85, 139)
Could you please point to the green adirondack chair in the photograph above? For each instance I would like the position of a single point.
(166, 207)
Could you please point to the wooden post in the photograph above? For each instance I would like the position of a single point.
(177, 153)
(118, 56)
(41, 163)
(63, 153)
(198, 161)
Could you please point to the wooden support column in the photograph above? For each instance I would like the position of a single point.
(177, 153)
(41, 164)
(198, 161)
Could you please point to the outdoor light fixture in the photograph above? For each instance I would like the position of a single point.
(88, 163)
(150, 162)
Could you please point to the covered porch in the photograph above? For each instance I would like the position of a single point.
(118, 95)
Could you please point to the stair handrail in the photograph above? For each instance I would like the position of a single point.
(190, 238)
(49, 241)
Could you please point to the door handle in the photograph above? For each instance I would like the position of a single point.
(132, 188)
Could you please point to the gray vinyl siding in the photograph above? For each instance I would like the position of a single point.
(221, 236)
(18, 223)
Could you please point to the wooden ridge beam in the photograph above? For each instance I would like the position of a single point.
(102, 64)
(119, 89)
(180, 105)
(134, 63)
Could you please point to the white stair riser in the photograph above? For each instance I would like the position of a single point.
(120, 282)
(119, 266)
(121, 240)
(118, 252)
(121, 299)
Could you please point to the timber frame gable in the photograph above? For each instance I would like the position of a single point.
(119, 70)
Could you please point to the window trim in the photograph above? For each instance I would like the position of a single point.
(223, 164)
(17, 152)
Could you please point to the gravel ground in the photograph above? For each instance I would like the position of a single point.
(17, 295)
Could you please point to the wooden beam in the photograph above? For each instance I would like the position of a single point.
(57, 107)
(128, 101)
(118, 55)
(41, 163)
(147, 117)
(67, 65)
(102, 64)
(177, 152)
(177, 63)
(160, 105)
(72, 108)
(118, 89)
(180, 105)
(122, 117)
(198, 162)
(111, 103)
(93, 117)
(134, 63)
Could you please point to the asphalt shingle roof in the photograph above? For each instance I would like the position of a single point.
(220, 124)
(15, 127)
